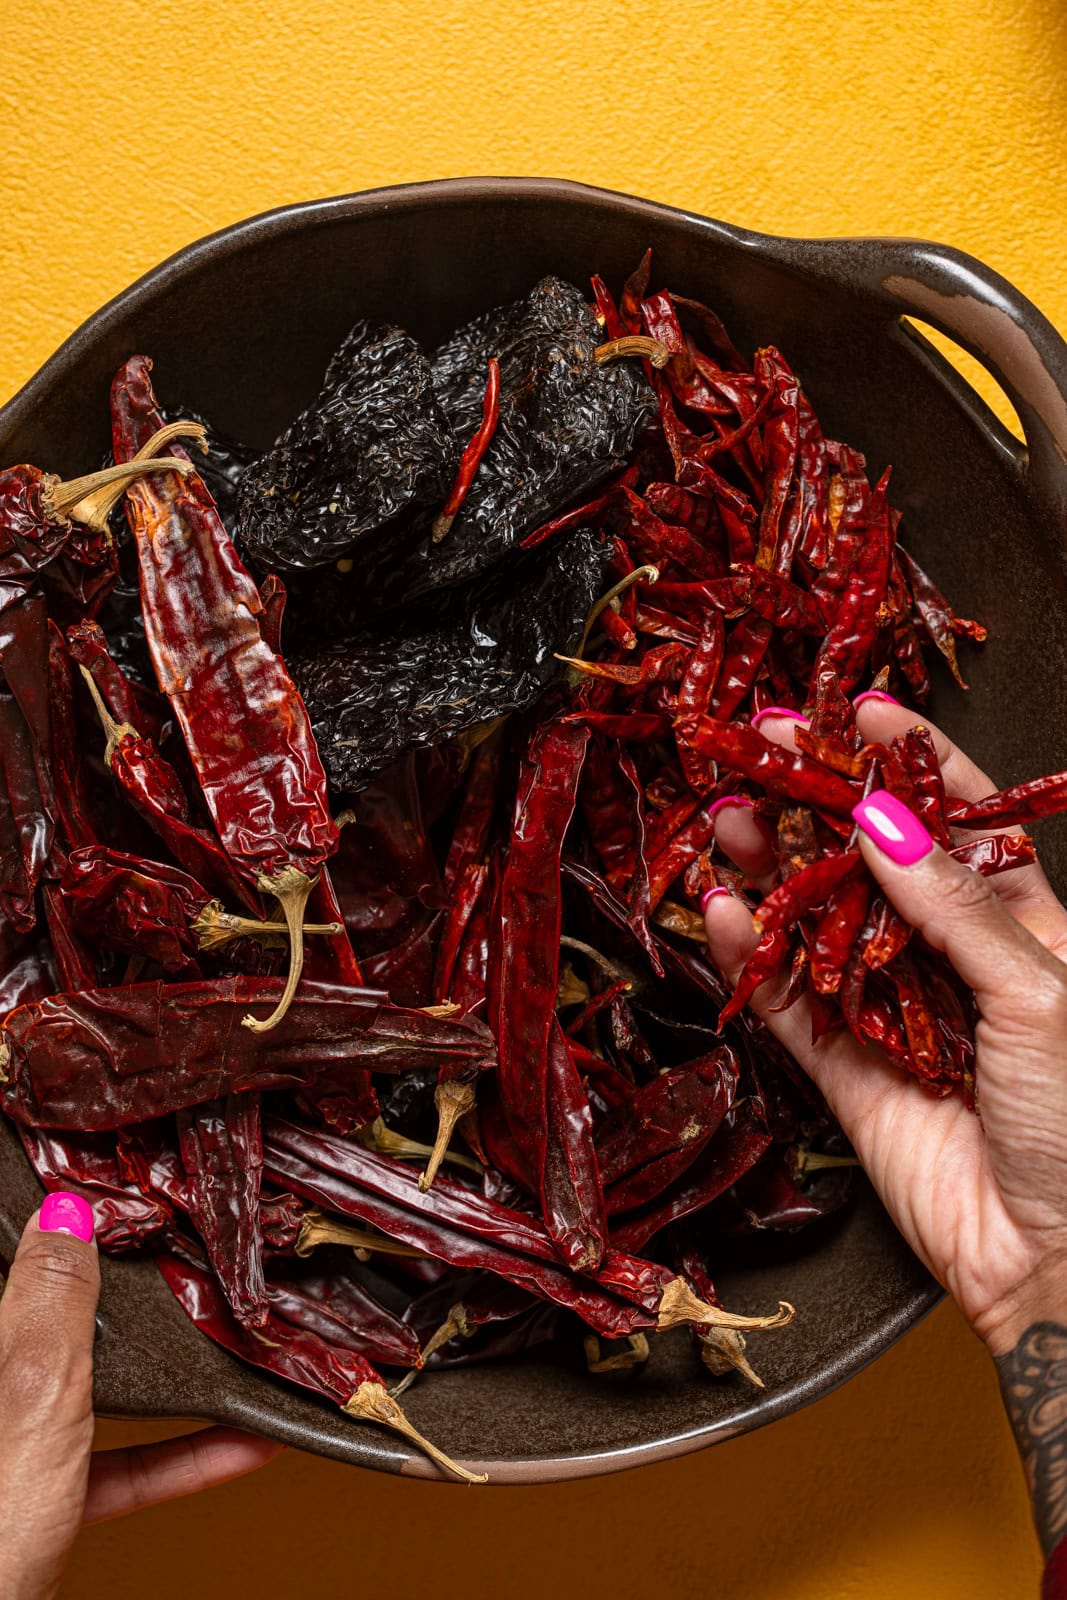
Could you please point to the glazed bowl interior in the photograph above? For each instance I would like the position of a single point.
(240, 327)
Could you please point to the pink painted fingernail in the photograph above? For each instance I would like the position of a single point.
(730, 800)
(709, 894)
(779, 711)
(67, 1213)
(874, 694)
(896, 831)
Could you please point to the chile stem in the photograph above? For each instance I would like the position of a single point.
(376, 1136)
(645, 574)
(215, 927)
(567, 942)
(722, 1350)
(806, 1161)
(97, 505)
(680, 1305)
(635, 1355)
(316, 1229)
(290, 888)
(455, 1326)
(75, 498)
(372, 1403)
(682, 920)
(453, 1100)
(114, 731)
(633, 344)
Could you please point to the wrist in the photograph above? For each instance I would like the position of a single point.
(1040, 1298)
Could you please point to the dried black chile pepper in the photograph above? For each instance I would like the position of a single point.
(443, 670)
(373, 443)
(566, 424)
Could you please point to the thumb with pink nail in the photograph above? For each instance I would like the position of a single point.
(50, 1481)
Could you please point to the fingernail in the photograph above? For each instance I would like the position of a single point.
(67, 1213)
(779, 711)
(896, 831)
(709, 894)
(730, 800)
(874, 694)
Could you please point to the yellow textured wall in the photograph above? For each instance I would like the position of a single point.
(127, 129)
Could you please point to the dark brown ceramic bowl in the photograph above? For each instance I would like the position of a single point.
(241, 326)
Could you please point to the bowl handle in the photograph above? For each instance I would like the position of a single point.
(988, 316)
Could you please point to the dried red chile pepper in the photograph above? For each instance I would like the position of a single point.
(297, 1353)
(125, 1218)
(623, 1293)
(221, 1148)
(326, 1297)
(106, 1057)
(268, 801)
(471, 458)
(541, 1100)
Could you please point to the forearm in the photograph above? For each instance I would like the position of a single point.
(1033, 1381)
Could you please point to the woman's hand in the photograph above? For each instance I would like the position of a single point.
(49, 1480)
(982, 1200)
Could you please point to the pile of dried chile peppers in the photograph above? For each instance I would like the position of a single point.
(358, 801)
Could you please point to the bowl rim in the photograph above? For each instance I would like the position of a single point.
(1034, 378)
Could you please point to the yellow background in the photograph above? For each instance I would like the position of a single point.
(129, 129)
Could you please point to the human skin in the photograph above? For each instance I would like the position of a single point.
(981, 1199)
(50, 1482)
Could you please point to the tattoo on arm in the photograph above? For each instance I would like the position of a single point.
(1033, 1381)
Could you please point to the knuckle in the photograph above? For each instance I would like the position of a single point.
(38, 1376)
(140, 1482)
(1046, 1001)
(963, 894)
(56, 1268)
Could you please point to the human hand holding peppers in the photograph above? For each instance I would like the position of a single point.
(50, 1482)
(982, 1200)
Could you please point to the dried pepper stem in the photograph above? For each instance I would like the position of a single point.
(316, 1228)
(472, 455)
(96, 505)
(622, 1360)
(372, 1403)
(806, 1161)
(455, 1326)
(290, 888)
(633, 344)
(568, 942)
(680, 1306)
(69, 499)
(114, 732)
(649, 574)
(572, 991)
(722, 1350)
(453, 1100)
(216, 927)
(390, 1143)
